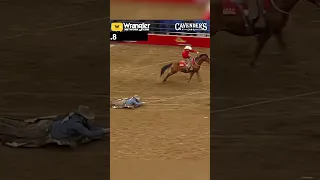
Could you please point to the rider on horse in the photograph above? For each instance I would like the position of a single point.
(255, 13)
(187, 57)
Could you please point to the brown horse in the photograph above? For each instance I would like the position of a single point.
(276, 17)
(181, 66)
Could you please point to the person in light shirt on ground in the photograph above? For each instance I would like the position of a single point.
(133, 102)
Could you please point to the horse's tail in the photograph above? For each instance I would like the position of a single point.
(164, 68)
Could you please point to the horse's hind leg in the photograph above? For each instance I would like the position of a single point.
(168, 75)
(261, 39)
(286, 55)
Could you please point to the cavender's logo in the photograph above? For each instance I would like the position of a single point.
(180, 40)
(116, 26)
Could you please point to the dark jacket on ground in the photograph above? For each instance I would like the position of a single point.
(74, 125)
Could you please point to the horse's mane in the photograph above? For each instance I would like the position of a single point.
(203, 55)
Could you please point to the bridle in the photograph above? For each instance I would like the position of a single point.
(195, 60)
(285, 12)
(310, 4)
(278, 9)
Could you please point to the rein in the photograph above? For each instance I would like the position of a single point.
(310, 4)
(277, 8)
(195, 61)
(285, 12)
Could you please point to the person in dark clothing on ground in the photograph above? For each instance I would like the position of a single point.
(78, 124)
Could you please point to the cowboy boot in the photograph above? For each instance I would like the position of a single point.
(190, 66)
(253, 11)
(187, 66)
(260, 21)
(245, 18)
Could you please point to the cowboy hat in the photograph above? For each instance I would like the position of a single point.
(86, 112)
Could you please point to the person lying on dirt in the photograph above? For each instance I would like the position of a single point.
(78, 123)
(37, 131)
(129, 103)
(133, 102)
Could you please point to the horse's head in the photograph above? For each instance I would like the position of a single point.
(204, 57)
(315, 2)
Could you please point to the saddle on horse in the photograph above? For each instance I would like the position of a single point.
(189, 66)
(252, 12)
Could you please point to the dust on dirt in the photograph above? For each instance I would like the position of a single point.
(174, 123)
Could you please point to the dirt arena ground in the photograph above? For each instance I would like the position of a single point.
(280, 139)
(132, 10)
(174, 124)
(53, 72)
(172, 132)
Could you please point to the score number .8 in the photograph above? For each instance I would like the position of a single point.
(114, 37)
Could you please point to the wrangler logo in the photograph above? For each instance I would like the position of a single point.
(116, 26)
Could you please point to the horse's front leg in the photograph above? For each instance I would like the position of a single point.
(282, 44)
(261, 40)
(198, 76)
(287, 55)
(191, 74)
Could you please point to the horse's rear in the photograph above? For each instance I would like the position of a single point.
(226, 17)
